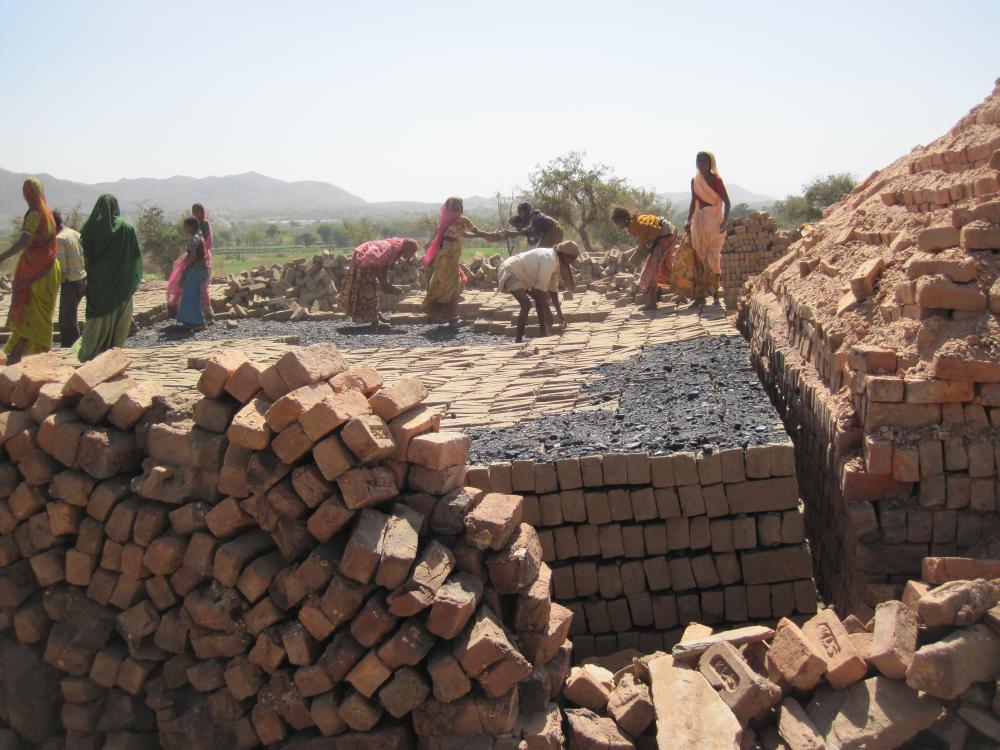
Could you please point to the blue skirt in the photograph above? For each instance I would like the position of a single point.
(189, 311)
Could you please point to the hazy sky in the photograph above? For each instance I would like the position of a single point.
(419, 100)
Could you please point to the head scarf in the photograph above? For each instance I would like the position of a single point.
(111, 256)
(447, 217)
(713, 167)
(568, 248)
(408, 249)
(40, 253)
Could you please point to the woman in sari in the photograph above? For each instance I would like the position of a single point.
(369, 273)
(114, 269)
(36, 278)
(706, 226)
(175, 282)
(443, 260)
(656, 238)
(191, 311)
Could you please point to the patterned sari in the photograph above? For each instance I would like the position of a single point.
(359, 294)
(706, 239)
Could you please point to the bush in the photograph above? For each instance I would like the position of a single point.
(162, 241)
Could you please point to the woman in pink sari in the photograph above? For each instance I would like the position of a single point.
(175, 285)
(369, 272)
(443, 259)
(706, 226)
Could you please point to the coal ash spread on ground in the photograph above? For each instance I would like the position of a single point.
(694, 395)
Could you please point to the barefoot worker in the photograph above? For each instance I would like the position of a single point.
(534, 275)
(190, 312)
(706, 226)
(540, 229)
(113, 262)
(369, 273)
(36, 277)
(656, 238)
(74, 281)
(443, 260)
(175, 289)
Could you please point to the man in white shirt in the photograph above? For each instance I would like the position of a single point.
(69, 251)
(534, 276)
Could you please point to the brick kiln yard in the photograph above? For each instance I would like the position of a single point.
(237, 541)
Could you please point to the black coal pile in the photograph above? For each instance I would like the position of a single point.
(694, 395)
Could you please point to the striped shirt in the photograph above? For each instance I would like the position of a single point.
(70, 254)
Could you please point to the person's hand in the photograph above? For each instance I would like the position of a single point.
(562, 321)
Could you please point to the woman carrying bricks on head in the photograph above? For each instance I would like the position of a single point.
(369, 273)
(540, 229)
(36, 277)
(114, 269)
(534, 275)
(656, 237)
(443, 259)
(706, 226)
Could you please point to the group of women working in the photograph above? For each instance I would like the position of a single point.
(107, 248)
(533, 276)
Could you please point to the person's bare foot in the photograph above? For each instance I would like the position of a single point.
(384, 319)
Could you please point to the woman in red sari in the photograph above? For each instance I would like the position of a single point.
(369, 272)
(706, 226)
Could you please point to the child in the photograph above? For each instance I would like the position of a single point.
(190, 313)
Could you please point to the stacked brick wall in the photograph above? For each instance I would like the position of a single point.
(640, 546)
(751, 246)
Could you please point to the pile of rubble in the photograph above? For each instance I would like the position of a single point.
(878, 337)
(925, 667)
(288, 554)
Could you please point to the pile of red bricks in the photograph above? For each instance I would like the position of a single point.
(290, 553)
(752, 244)
(641, 545)
(922, 670)
(878, 336)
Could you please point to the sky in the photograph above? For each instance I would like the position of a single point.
(420, 100)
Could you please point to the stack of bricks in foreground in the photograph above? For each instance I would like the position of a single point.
(894, 391)
(921, 673)
(752, 244)
(287, 557)
(640, 546)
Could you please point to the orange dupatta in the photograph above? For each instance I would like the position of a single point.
(37, 258)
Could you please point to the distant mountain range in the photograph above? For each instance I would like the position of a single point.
(247, 196)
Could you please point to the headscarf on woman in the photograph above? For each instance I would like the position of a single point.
(112, 258)
(38, 256)
(383, 253)
(448, 216)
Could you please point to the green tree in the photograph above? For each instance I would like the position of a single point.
(325, 232)
(796, 210)
(360, 230)
(271, 232)
(740, 211)
(306, 238)
(581, 196)
(162, 241)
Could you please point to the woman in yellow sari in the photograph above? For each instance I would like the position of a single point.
(443, 259)
(706, 226)
(36, 278)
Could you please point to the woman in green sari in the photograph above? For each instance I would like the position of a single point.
(114, 268)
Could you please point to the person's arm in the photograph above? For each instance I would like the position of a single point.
(471, 230)
(687, 225)
(725, 218)
(19, 244)
(554, 296)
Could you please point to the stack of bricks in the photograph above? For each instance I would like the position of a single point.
(289, 553)
(752, 244)
(894, 399)
(921, 672)
(640, 546)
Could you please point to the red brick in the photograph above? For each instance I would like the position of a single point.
(368, 437)
(311, 364)
(365, 486)
(398, 397)
(365, 379)
(332, 457)
(438, 450)
(249, 427)
(428, 574)
(103, 367)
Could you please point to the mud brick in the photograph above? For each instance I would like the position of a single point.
(793, 526)
(104, 669)
(732, 465)
(49, 567)
(165, 554)
(232, 557)
(685, 469)
(300, 647)
(591, 471)
(678, 534)
(268, 652)
(772, 566)
(681, 574)
(185, 580)
(721, 530)
(172, 632)
(26, 501)
(643, 503)
(745, 531)
(700, 531)
(828, 637)
(249, 427)
(200, 553)
(160, 593)
(102, 585)
(982, 497)
(37, 467)
(418, 591)
(131, 562)
(397, 398)
(895, 639)
(316, 570)
(448, 514)
(615, 468)
(133, 673)
(958, 492)
(342, 599)
(436, 481)
(655, 538)
(656, 573)
(373, 621)
(794, 658)
(220, 367)
(716, 504)
(566, 546)
(64, 518)
(610, 538)
(80, 567)
(620, 505)
(748, 694)
(692, 500)
(632, 541)
(587, 539)
(515, 568)
(103, 367)
(364, 547)
(782, 600)
(944, 525)
(311, 364)
(311, 680)
(286, 589)
(609, 582)
(762, 495)
(493, 521)
(640, 607)
(21, 445)
(365, 486)
(150, 521)
(292, 539)
(291, 445)
(31, 622)
(256, 577)
(215, 415)
(329, 518)
(550, 510)
(563, 586)
(598, 507)
(689, 608)
(947, 668)
(261, 616)
(956, 603)
(399, 546)
(95, 406)
(568, 473)
(705, 574)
